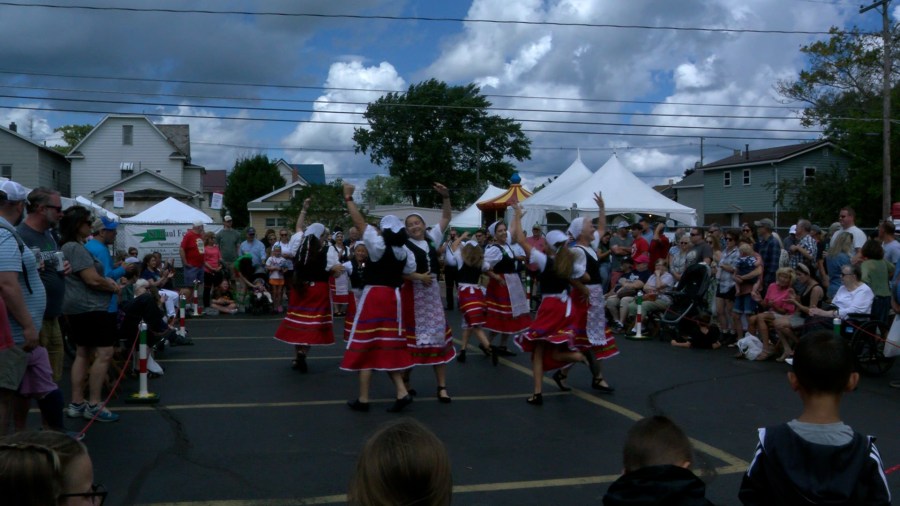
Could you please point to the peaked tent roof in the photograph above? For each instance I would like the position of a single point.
(556, 190)
(512, 196)
(471, 217)
(623, 192)
(170, 210)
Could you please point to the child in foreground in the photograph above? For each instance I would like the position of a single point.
(817, 459)
(657, 459)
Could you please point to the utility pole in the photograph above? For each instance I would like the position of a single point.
(701, 150)
(885, 103)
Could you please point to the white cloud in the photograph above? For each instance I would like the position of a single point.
(348, 82)
(31, 123)
(215, 143)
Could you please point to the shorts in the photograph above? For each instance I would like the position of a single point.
(744, 304)
(13, 362)
(276, 282)
(95, 329)
(192, 274)
(38, 379)
(727, 294)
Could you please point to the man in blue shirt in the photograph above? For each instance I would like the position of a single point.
(770, 251)
(105, 231)
(256, 250)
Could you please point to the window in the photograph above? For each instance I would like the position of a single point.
(809, 175)
(276, 222)
(726, 179)
(127, 168)
(6, 171)
(127, 135)
(746, 177)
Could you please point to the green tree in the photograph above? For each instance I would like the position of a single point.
(251, 178)
(841, 93)
(435, 132)
(383, 191)
(72, 135)
(326, 206)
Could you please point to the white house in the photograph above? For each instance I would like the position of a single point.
(148, 161)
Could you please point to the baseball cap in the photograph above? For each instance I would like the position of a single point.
(227, 217)
(132, 260)
(765, 222)
(14, 191)
(793, 229)
(251, 231)
(622, 224)
(104, 223)
(643, 258)
(198, 223)
(815, 228)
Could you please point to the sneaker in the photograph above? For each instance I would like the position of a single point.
(182, 341)
(211, 312)
(617, 326)
(102, 415)
(76, 410)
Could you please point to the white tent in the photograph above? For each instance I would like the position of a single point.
(95, 208)
(170, 210)
(471, 217)
(556, 192)
(623, 192)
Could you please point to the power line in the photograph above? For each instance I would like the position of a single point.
(412, 18)
(334, 88)
(526, 130)
(360, 113)
(433, 106)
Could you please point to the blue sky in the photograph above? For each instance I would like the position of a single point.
(549, 69)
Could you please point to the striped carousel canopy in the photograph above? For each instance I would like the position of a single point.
(512, 196)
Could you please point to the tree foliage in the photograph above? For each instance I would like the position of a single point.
(72, 135)
(435, 132)
(251, 178)
(384, 191)
(841, 93)
(327, 206)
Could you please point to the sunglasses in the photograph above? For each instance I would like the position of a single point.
(97, 495)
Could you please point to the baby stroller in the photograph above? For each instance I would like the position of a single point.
(259, 298)
(688, 302)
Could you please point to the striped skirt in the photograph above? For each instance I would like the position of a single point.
(376, 339)
(308, 319)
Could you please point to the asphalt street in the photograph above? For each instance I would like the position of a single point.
(236, 425)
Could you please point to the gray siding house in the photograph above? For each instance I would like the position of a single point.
(742, 187)
(148, 161)
(689, 192)
(31, 164)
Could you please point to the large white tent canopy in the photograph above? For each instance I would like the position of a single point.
(555, 192)
(623, 193)
(471, 217)
(170, 210)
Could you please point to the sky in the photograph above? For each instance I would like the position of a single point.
(644, 79)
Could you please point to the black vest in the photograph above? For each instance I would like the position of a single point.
(356, 277)
(468, 275)
(551, 283)
(593, 268)
(387, 271)
(315, 271)
(424, 258)
(507, 264)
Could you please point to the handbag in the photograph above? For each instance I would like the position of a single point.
(750, 346)
(892, 344)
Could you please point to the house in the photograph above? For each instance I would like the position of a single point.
(213, 181)
(308, 173)
(265, 211)
(32, 164)
(689, 191)
(148, 161)
(742, 187)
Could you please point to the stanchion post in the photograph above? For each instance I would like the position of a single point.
(638, 319)
(182, 310)
(142, 396)
(196, 304)
(837, 326)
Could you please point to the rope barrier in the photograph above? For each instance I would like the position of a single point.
(114, 387)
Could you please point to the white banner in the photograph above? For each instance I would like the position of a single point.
(162, 237)
(119, 199)
(216, 202)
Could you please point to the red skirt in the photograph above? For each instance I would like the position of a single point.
(348, 318)
(600, 348)
(428, 336)
(553, 328)
(308, 319)
(376, 340)
(337, 298)
(472, 306)
(500, 317)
